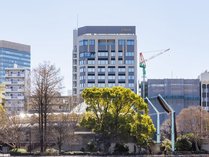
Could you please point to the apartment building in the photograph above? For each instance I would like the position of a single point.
(17, 89)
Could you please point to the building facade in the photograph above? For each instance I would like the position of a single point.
(57, 104)
(104, 56)
(13, 53)
(204, 89)
(17, 89)
(178, 93)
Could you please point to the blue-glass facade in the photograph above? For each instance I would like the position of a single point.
(9, 57)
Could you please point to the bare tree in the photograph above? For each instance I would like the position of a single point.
(11, 130)
(193, 120)
(62, 126)
(46, 84)
(166, 129)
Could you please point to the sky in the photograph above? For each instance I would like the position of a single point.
(47, 25)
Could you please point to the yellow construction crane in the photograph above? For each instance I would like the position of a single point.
(142, 64)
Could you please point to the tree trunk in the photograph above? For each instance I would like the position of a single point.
(196, 145)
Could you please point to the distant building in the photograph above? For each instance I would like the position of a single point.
(204, 89)
(104, 56)
(17, 89)
(13, 53)
(179, 94)
(57, 104)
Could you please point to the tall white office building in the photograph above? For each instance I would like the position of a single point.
(104, 56)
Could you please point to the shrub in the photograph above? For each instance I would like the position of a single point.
(166, 146)
(74, 153)
(91, 147)
(120, 149)
(51, 151)
(18, 151)
(183, 143)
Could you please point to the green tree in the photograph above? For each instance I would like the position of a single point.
(166, 146)
(183, 143)
(116, 114)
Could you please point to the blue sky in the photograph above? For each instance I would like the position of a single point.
(47, 25)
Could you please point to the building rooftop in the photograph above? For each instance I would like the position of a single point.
(106, 30)
(14, 46)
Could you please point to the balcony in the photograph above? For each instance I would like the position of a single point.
(14, 90)
(15, 75)
(14, 105)
(8, 97)
(14, 82)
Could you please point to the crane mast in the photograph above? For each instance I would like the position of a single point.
(142, 64)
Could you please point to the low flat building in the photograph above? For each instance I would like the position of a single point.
(58, 104)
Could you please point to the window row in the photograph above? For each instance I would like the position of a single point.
(104, 62)
(86, 42)
(130, 85)
(106, 42)
(110, 69)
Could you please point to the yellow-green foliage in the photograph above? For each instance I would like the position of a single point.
(117, 113)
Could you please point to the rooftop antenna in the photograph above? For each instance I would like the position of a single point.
(77, 21)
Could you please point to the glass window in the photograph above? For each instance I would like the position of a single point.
(91, 69)
(101, 84)
(111, 84)
(91, 42)
(121, 69)
(82, 69)
(111, 42)
(121, 77)
(102, 42)
(129, 62)
(120, 54)
(81, 85)
(111, 69)
(91, 77)
(130, 42)
(102, 61)
(122, 84)
(111, 77)
(120, 61)
(121, 42)
(83, 42)
(129, 53)
(131, 77)
(90, 85)
(101, 77)
(82, 62)
(112, 54)
(112, 62)
(131, 85)
(91, 62)
(102, 54)
(131, 69)
(102, 69)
